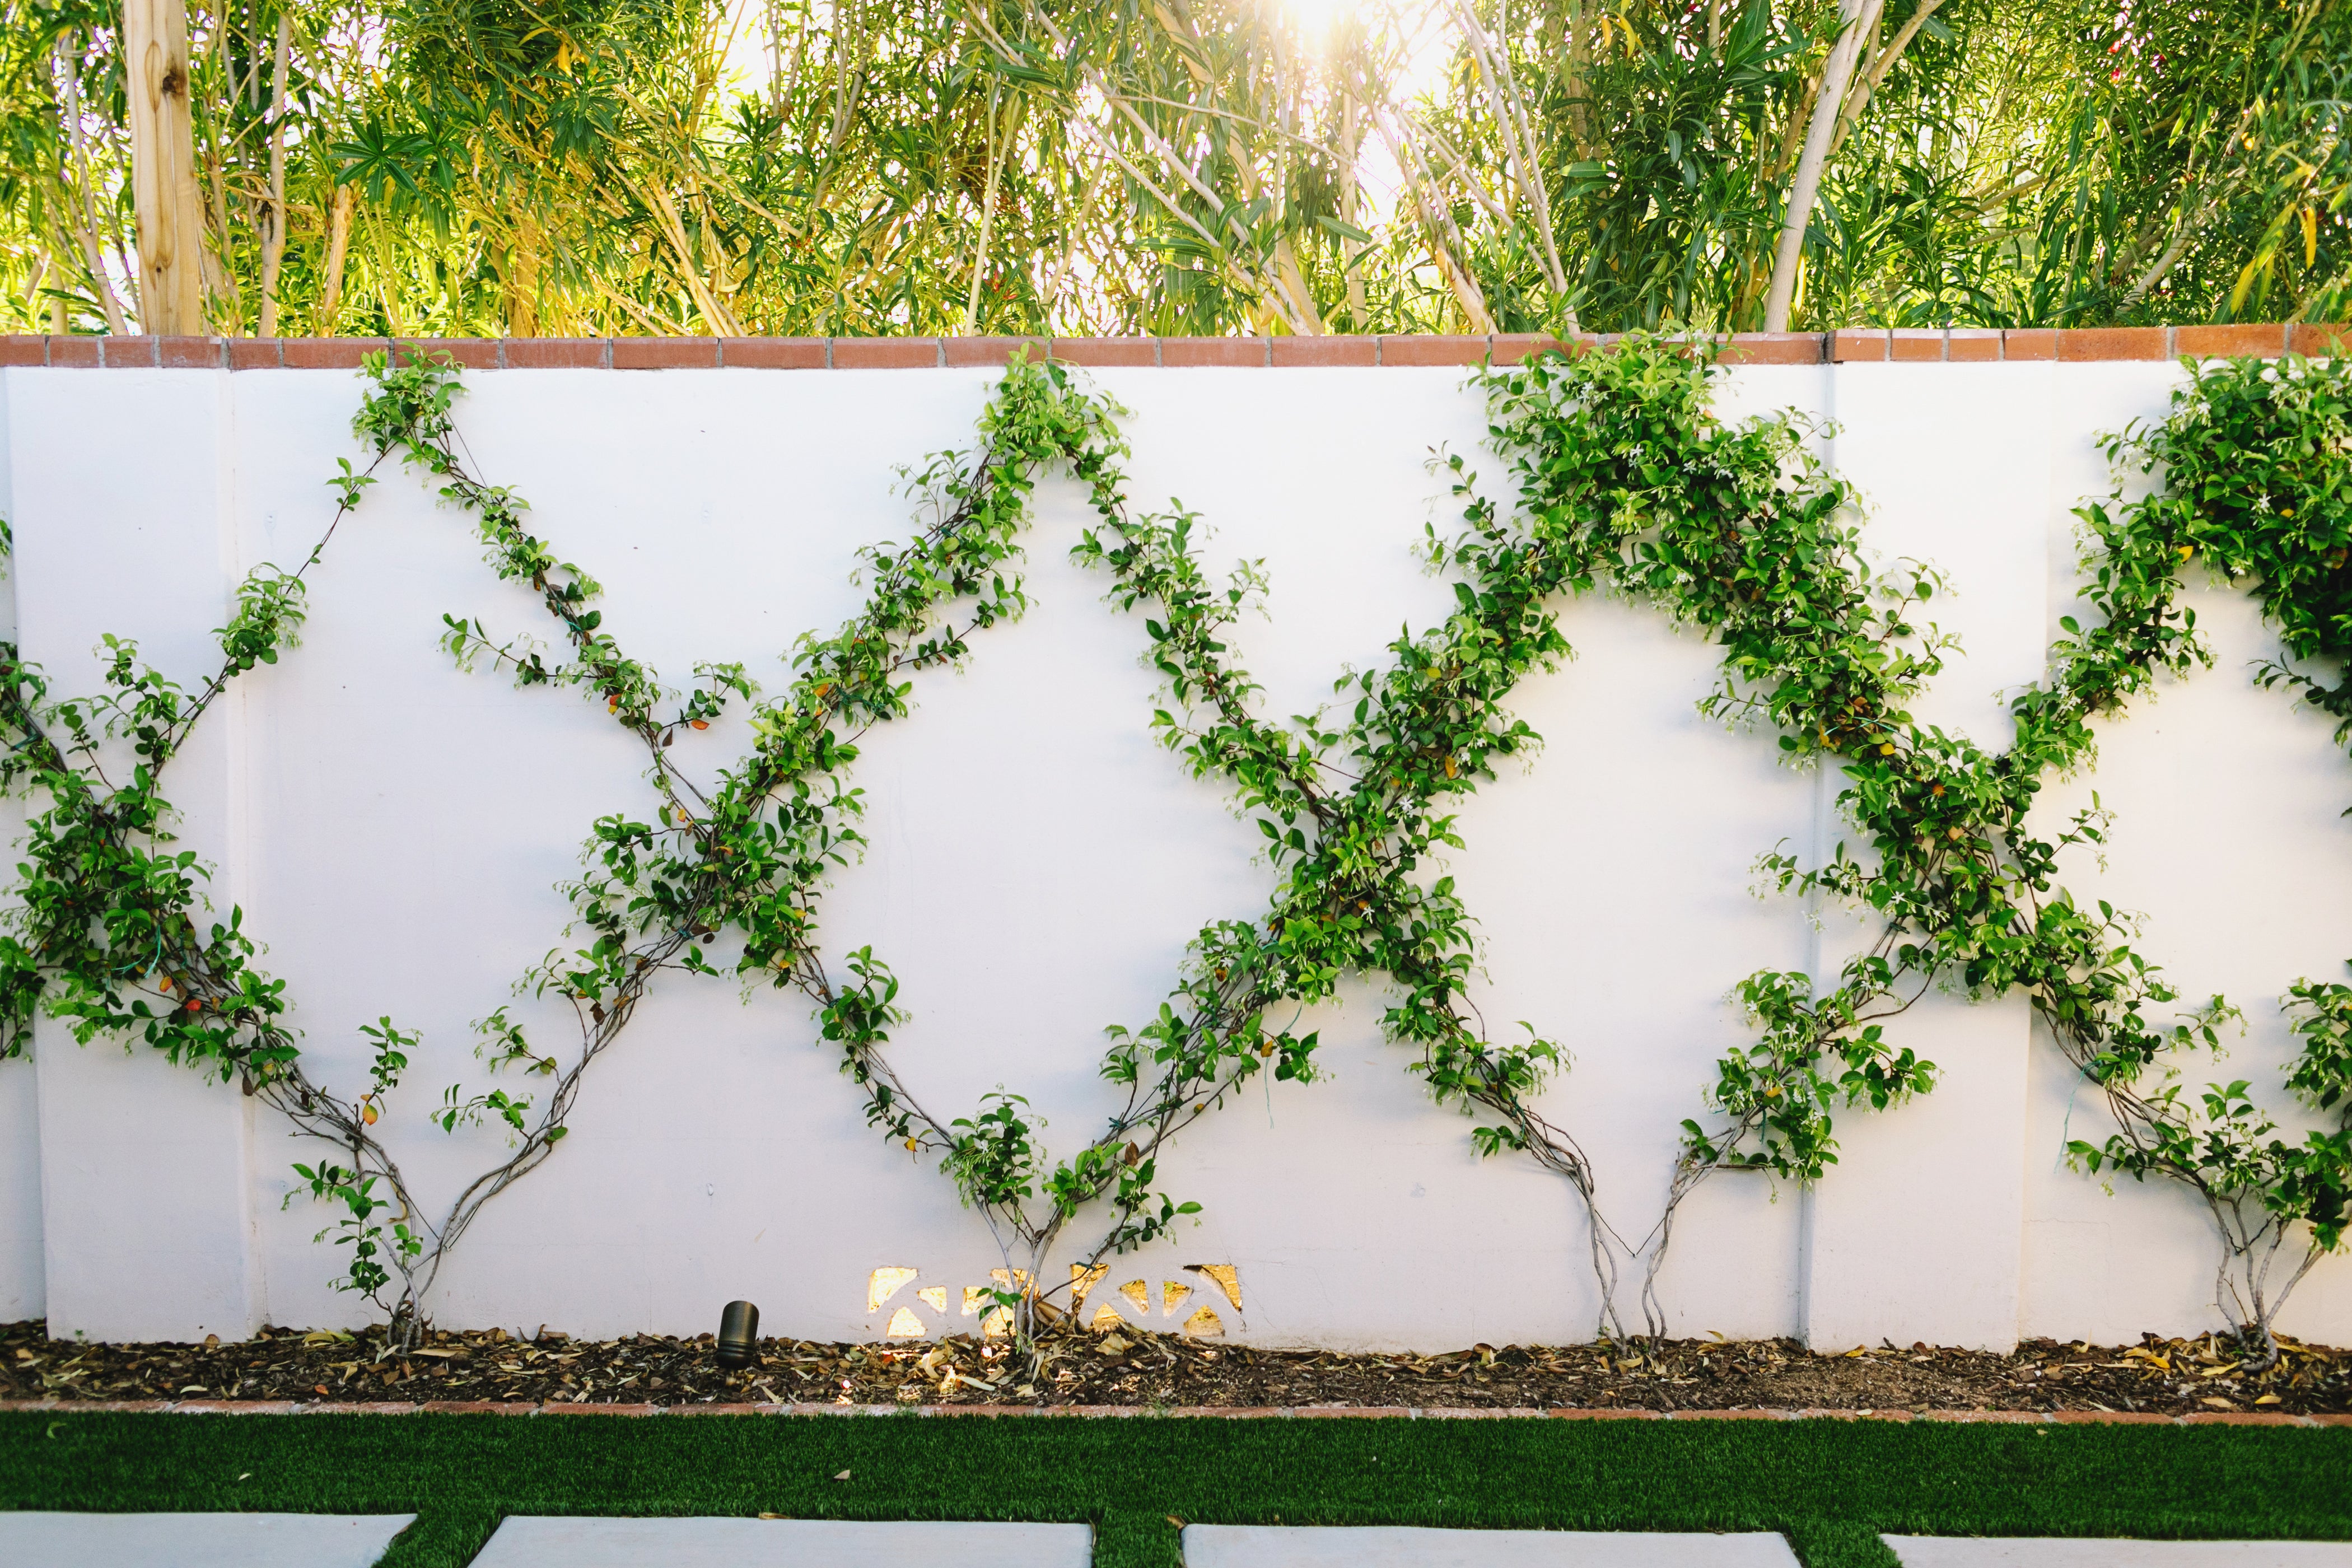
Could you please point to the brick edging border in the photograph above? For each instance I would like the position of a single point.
(1852, 345)
(1103, 1412)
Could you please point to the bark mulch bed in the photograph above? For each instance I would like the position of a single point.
(2160, 1376)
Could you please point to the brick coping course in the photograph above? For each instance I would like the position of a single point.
(1851, 345)
(493, 1407)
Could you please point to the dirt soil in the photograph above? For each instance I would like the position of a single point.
(1126, 1368)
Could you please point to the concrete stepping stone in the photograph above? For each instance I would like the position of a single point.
(578, 1543)
(197, 1540)
(1401, 1546)
(2051, 1551)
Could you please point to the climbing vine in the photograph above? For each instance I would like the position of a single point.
(1629, 484)
(2256, 477)
(2255, 465)
(1625, 483)
(110, 933)
(749, 855)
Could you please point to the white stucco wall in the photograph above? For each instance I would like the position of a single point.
(393, 830)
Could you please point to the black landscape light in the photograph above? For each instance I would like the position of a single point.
(738, 1334)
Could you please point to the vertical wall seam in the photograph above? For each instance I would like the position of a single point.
(43, 1202)
(33, 1283)
(1823, 822)
(236, 737)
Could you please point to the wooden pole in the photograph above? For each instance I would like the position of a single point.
(163, 167)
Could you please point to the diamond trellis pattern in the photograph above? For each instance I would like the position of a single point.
(1626, 481)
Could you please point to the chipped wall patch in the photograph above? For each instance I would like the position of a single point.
(996, 1318)
(1205, 1324)
(884, 1283)
(1228, 1278)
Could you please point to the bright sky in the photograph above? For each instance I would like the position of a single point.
(746, 49)
(1430, 45)
(748, 61)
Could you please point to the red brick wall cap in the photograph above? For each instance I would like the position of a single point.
(1846, 345)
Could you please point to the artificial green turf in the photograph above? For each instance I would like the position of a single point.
(1832, 1486)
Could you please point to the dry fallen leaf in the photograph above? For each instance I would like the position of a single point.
(843, 1477)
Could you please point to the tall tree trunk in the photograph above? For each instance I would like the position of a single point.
(218, 278)
(163, 167)
(1875, 71)
(987, 215)
(273, 238)
(1579, 121)
(1854, 19)
(85, 207)
(33, 286)
(1351, 251)
(339, 240)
